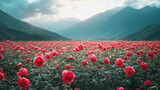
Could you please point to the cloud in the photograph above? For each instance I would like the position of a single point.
(26, 8)
(142, 3)
(62, 9)
(77, 9)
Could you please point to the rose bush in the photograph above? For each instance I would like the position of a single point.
(91, 65)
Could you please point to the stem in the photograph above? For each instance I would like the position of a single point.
(39, 70)
(65, 87)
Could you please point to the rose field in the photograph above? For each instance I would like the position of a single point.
(79, 65)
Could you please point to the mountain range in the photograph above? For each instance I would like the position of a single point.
(113, 24)
(151, 32)
(14, 29)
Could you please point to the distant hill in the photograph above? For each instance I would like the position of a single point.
(151, 32)
(113, 24)
(18, 25)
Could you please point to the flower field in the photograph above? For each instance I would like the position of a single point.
(79, 65)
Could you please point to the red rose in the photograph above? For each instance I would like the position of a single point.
(85, 62)
(138, 61)
(100, 45)
(129, 53)
(71, 58)
(119, 62)
(4, 74)
(107, 76)
(44, 50)
(101, 53)
(54, 53)
(18, 51)
(86, 53)
(150, 53)
(125, 58)
(129, 71)
(144, 66)
(38, 61)
(44, 65)
(68, 66)
(148, 82)
(1, 76)
(23, 82)
(139, 52)
(93, 58)
(106, 60)
(28, 59)
(8, 41)
(1, 70)
(19, 64)
(120, 88)
(47, 55)
(22, 72)
(68, 76)
(1, 56)
(76, 88)
(75, 49)
(57, 65)
(81, 47)
(98, 66)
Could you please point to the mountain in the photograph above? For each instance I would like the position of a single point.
(151, 32)
(7, 33)
(27, 28)
(83, 29)
(113, 24)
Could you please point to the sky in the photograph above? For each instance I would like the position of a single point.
(41, 12)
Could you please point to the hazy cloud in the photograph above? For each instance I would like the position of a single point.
(142, 3)
(25, 8)
(71, 8)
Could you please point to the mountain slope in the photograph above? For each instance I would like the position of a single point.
(28, 28)
(83, 29)
(7, 33)
(151, 32)
(115, 26)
